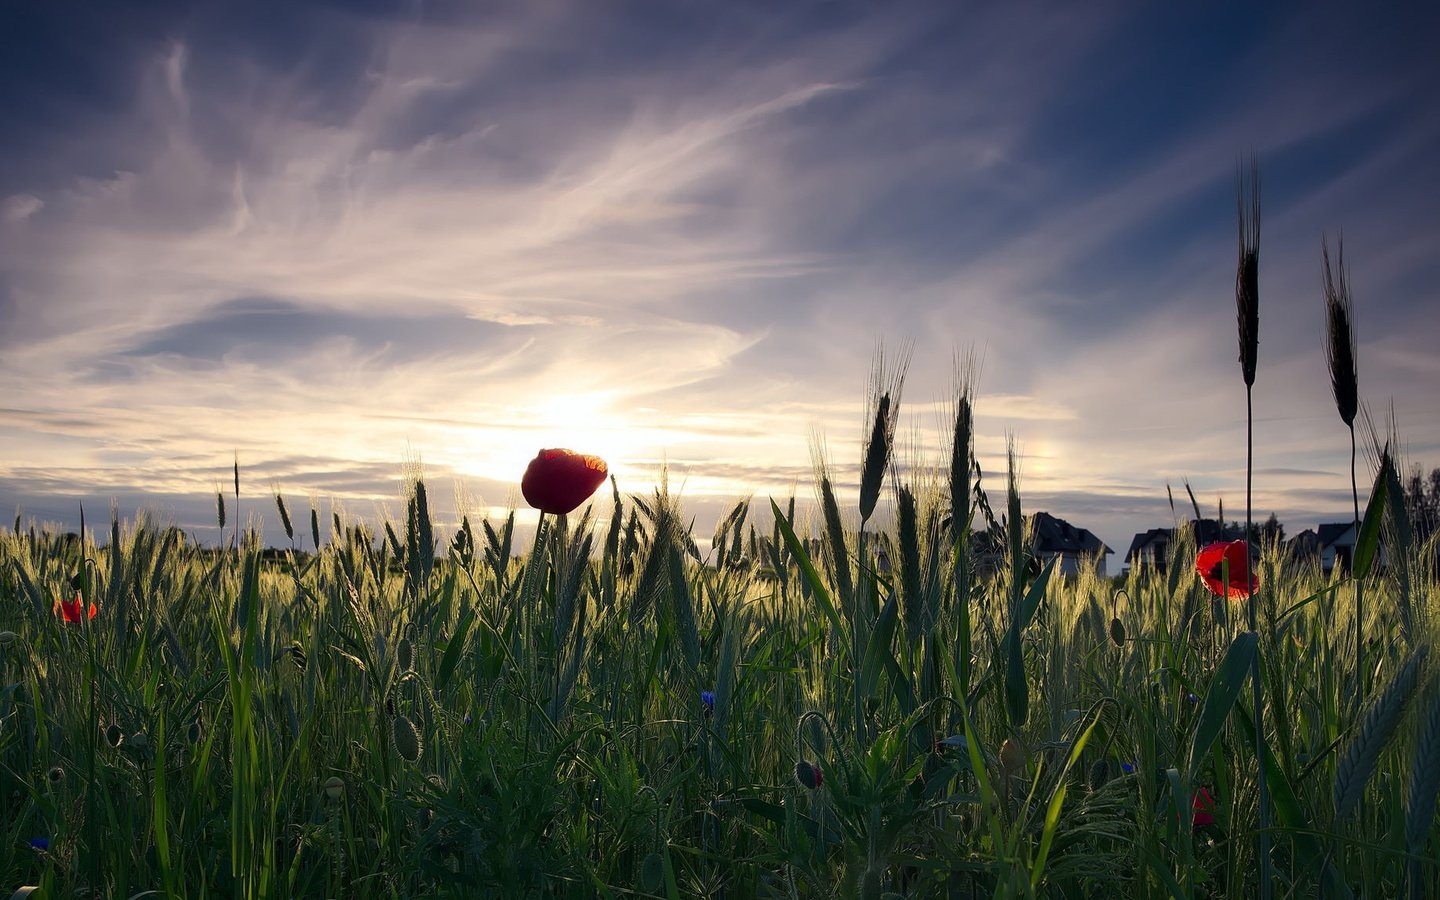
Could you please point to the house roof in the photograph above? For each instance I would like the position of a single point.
(1155, 537)
(1207, 531)
(1331, 532)
(1054, 535)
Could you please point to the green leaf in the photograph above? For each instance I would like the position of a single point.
(1035, 595)
(1057, 802)
(1220, 698)
(776, 813)
(452, 650)
(878, 652)
(1290, 815)
(807, 568)
(1017, 692)
(1368, 540)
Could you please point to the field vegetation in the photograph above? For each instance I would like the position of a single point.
(607, 714)
(892, 699)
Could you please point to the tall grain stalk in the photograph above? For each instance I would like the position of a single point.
(882, 413)
(962, 461)
(1247, 308)
(1340, 354)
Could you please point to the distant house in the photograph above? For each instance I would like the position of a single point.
(1304, 546)
(1049, 538)
(1332, 543)
(1152, 547)
(1337, 545)
(1057, 538)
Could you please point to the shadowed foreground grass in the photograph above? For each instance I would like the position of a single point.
(609, 715)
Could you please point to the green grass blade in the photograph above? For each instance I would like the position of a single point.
(453, 649)
(1367, 541)
(1057, 802)
(1220, 698)
(807, 569)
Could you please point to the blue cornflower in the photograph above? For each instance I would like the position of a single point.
(40, 843)
(1127, 768)
(468, 720)
(1192, 698)
(708, 698)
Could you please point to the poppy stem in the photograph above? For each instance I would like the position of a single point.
(538, 556)
(561, 560)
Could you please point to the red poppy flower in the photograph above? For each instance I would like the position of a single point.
(1204, 807)
(1211, 565)
(70, 609)
(558, 481)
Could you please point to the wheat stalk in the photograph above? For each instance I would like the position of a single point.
(1420, 795)
(1379, 726)
(285, 518)
(886, 386)
(1247, 276)
(1247, 310)
(1340, 333)
(1344, 382)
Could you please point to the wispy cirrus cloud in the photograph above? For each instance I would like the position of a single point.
(314, 234)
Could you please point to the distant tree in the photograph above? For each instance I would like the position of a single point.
(1273, 531)
(1422, 501)
(1261, 533)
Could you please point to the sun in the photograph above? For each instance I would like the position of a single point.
(585, 423)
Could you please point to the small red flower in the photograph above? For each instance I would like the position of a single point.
(70, 610)
(1211, 565)
(558, 481)
(1204, 807)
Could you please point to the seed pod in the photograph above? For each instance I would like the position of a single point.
(652, 872)
(1117, 632)
(405, 655)
(407, 738)
(334, 787)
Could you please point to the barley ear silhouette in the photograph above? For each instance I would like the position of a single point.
(1345, 382)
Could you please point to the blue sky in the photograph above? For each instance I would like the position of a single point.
(336, 239)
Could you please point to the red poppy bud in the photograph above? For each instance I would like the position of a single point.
(557, 481)
(808, 775)
(1211, 564)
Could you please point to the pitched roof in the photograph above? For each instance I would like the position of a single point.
(1207, 531)
(1144, 539)
(1306, 541)
(1330, 532)
(1054, 535)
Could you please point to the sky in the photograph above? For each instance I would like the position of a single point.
(340, 241)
